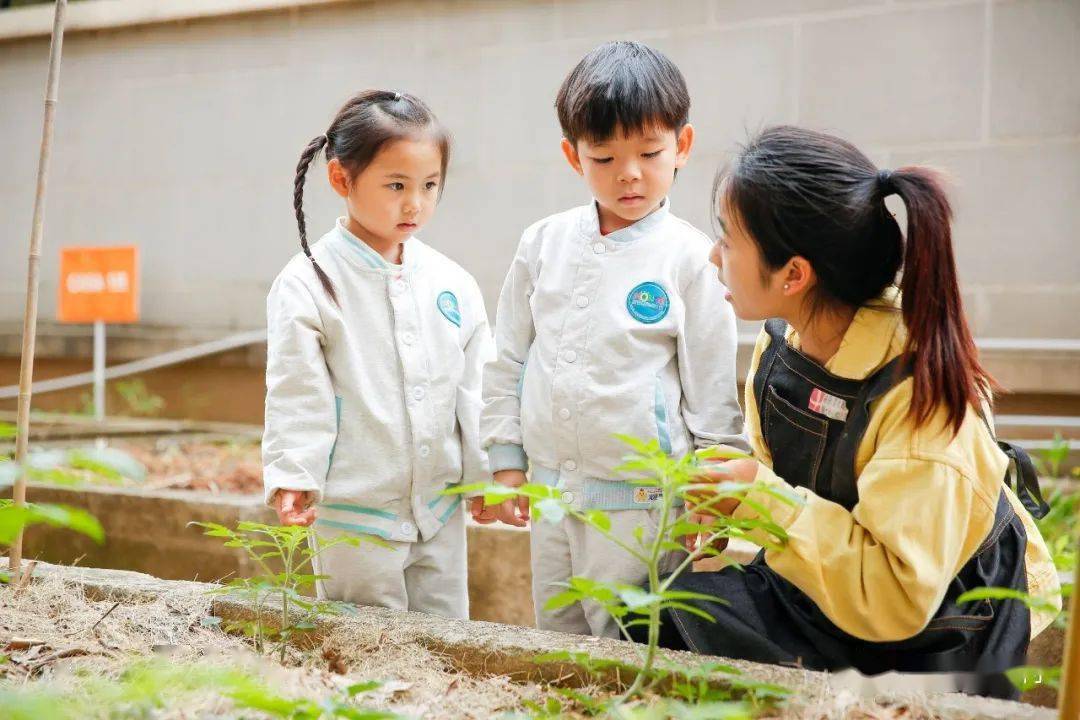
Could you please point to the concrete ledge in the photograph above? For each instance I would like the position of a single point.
(482, 648)
(147, 531)
(37, 21)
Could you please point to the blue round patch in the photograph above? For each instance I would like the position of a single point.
(648, 303)
(448, 306)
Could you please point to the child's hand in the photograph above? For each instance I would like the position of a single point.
(292, 507)
(481, 513)
(514, 511)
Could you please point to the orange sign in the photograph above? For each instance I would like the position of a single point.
(99, 284)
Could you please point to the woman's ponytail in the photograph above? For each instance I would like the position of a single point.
(946, 364)
(805, 193)
(310, 152)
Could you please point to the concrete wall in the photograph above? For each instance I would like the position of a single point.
(182, 137)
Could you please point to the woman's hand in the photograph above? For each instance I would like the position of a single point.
(703, 506)
(703, 501)
(292, 507)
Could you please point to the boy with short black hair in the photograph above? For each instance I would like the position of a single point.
(611, 320)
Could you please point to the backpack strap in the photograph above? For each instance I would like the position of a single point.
(1025, 481)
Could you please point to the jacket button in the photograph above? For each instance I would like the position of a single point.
(569, 356)
(568, 497)
(599, 248)
(569, 466)
(582, 301)
(424, 451)
(408, 338)
(407, 527)
(564, 413)
(418, 393)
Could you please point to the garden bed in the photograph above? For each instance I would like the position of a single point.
(69, 627)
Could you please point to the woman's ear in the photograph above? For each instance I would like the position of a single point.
(339, 179)
(569, 149)
(798, 276)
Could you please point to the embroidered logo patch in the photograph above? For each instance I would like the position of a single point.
(648, 303)
(647, 495)
(448, 306)
(828, 405)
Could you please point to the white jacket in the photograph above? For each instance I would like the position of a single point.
(374, 405)
(596, 335)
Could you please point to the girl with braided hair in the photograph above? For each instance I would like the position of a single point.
(375, 347)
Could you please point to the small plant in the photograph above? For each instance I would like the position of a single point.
(74, 466)
(680, 480)
(1051, 460)
(292, 549)
(14, 519)
(147, 686)
(1026, 677)
(1060, 528)
(139, 401)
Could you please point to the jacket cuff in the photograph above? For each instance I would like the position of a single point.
(271, 489)
(506, 456)
(781, 513)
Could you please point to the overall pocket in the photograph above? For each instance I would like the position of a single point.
(796, 440)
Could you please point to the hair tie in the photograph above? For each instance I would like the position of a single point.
(397, 96)
(885, 183)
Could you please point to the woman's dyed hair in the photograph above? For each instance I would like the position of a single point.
(805, 193)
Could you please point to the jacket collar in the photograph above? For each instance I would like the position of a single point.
(590, 225)
(876, 335)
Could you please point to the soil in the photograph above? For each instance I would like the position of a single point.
(54, 636)
(215, 467)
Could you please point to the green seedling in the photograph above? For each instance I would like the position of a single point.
(630, 606)
(291, 548)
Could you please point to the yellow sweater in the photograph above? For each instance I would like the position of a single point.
(926, 502)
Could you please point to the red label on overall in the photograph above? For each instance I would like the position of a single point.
(828, 405)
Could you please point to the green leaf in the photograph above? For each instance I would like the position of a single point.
(692, 609)
(14, 519)
(720, 453)
(550, 510)
(357, 688)
(108, 462)
(998, 593)
(1028, 677)
(599, 519)
(564, 599)
(464, 489)
(636, 598)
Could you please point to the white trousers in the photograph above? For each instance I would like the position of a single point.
(423, 576)
(571, 548)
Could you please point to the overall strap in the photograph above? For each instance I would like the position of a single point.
(777, 330)
(1025, 483)
(844, 480)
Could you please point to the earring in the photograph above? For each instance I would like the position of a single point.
(786, 286)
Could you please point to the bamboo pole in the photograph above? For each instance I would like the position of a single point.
(1069, 705)
(26, 369)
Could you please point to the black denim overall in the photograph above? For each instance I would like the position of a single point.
(770, 620)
